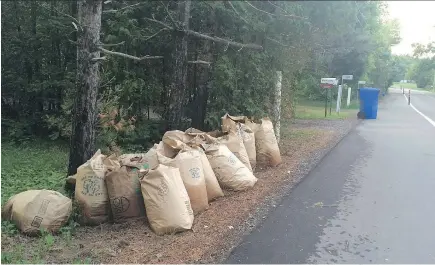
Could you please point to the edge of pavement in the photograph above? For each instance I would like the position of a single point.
(257, 218)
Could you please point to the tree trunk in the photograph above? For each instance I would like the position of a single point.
(82, 145)
(203, 83)
(204, 78)
(178, 82)
(277, 105)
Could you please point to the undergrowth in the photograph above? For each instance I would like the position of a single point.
(33, 165)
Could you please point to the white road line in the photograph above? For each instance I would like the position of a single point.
(419, 112)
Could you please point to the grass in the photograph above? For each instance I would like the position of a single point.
(316, 110)
(411, 86)
(405, 85)
(22, 253)
(34, 165)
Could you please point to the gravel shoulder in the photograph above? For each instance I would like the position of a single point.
(216, 231)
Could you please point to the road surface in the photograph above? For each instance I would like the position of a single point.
(370, 200)
(424, 102)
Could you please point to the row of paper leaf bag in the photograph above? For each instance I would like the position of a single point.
(174, 180)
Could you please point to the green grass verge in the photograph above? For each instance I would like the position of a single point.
(34, 165)
(405, 85)
(316, 110)
(411, 86)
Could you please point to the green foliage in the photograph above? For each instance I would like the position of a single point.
(308, 109)
(9, 228)
(305, 40)
(423, 72)
(421, 68)
(15, 256)
(405, 85)
(34, 165)
(400, 67)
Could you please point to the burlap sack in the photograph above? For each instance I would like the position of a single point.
(147, 160)
(176, 139)
(125, 195)
(234, 142)
(248, 137)
(165, 149)
(197, 137)
(91, 192)
(193, 131)
(34, 210)
(230, 172)
(71, 179)
(252, 125)
(268, 153)
(215, 133)
(166, 201)
(111, 162)
(190, 166)
(211, 183)
(229, 123)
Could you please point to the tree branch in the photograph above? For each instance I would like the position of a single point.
(256, 8)
(125, 7)
(147, 57)
(199, 62)
(73, 18)
(237, 13)
(73, 42)
(285, 11)
(174, 23)
(99, 59)
(155, 34)
(160, 23)
(280, 43)
(215, 39)
(111, 45)
(224, 41)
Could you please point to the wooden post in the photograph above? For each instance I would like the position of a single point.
(409, 97)
(330, 101)
(326, 102)
(277, 105)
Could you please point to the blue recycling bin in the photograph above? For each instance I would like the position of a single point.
(368, 102)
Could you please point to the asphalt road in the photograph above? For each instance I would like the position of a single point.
(424, 103)
(370, 200)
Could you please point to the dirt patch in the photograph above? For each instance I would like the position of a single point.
(214, 232)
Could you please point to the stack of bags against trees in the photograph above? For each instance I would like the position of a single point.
(176, 178)
(172, 183)
(235, 125)
(234, 140)
(125, 187)
(191, 143)
(229, 170)
(166, 200)
(91, 192)
(35, 210)
(263, 150)
(189, 164)
(108, 187)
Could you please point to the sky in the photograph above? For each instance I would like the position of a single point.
(417, 23)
